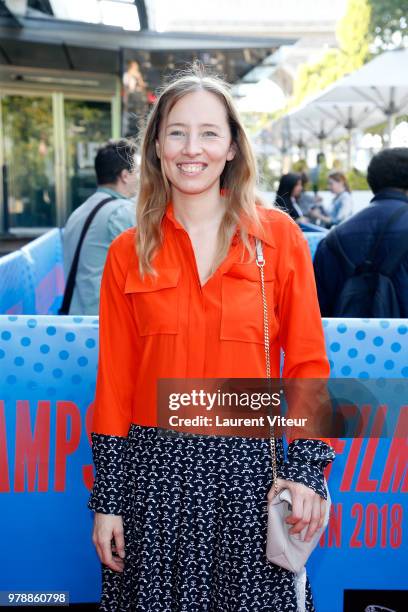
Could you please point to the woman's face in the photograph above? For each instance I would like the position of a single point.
(297, 190)
(336, 186)
(194, 143)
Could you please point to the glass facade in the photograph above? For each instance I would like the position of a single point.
(29, 160)
(87, 127)
(48, 142)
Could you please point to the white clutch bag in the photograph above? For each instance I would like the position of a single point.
(282, 548)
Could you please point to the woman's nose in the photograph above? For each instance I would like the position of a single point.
(192, 144)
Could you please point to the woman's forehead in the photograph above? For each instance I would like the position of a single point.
(198, 107)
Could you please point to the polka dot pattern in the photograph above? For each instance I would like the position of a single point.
(48, 356)
(367, 348)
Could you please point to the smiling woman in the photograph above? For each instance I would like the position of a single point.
(191, 148)
(181, 298)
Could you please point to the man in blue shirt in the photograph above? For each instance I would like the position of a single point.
(387, 175)
(116, 173)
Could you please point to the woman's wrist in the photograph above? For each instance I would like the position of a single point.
(305, 463)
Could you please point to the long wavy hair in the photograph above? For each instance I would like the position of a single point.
(238, 179)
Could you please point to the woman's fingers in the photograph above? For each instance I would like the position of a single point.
(108, 559)
(108, 538)
(119, 542)
(314, 519)
(296, 517)
(322, 512)
(304, 518)
(308, 508)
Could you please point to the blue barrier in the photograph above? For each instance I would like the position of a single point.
(46, 258)
(313, 239)
(47, 380)
(311, 227)
(32, 278)
(16, 284)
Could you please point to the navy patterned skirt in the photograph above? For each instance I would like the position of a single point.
(195, 517)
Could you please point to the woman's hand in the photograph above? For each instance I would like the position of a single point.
(308, 508)
(315, 213)
(106, 527)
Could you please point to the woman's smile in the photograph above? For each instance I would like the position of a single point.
(191, 168)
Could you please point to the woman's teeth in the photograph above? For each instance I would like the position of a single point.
(191, 168)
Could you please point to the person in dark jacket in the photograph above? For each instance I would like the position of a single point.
(387, 175)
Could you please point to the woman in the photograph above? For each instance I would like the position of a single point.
(289, 190)
(342, 203)
(178, 300)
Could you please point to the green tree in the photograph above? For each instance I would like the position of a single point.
(388, 18)
(353, 35)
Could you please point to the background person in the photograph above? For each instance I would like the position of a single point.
(290, 188)
(304, 199)
(342, 203)
(387, 175)
(116, 175)
(317, 171)
(135, 99)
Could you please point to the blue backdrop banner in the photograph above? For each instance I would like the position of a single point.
(47, 381)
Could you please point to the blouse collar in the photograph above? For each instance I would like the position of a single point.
(252, 229)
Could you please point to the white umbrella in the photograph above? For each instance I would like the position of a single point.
(339, 118)
(312, 124)
(381, 83)
(323, 122)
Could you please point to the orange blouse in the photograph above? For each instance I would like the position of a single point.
(172, 327)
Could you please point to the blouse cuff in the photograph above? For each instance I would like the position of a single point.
(305, 462)
(107, 492)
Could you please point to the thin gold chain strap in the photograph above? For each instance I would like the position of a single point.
(260, 262)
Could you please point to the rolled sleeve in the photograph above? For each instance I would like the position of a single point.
(305, 463)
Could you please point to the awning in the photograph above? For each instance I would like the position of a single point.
(68, 45)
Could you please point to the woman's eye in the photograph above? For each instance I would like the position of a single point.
(209, 133)
(176, 133)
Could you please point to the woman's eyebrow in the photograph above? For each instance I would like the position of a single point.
(178, 124)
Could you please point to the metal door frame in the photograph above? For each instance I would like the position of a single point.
(57, 96)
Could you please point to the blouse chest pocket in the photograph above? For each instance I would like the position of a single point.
(155, 301)
(242, 304)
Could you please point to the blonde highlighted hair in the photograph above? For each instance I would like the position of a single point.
(238, 179)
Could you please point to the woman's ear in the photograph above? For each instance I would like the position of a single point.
(157, 148)
(231, 152)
